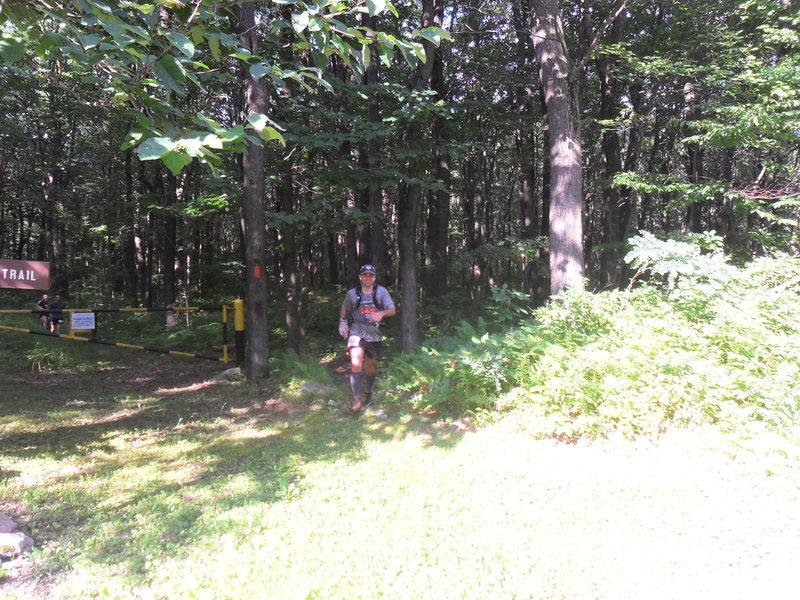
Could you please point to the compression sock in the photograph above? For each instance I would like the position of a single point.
(369, 382)
(355, 383)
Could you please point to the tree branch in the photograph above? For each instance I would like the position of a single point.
(616, 11)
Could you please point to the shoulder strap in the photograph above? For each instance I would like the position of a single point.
(358, 298)
(375, 301)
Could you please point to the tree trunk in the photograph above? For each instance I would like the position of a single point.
(289, 262)
(253, 220)
(566, 194)
(694, 161)
(168, 247)
(439, 200)
(613, 211)
(407, 211)
(411, 194)
(526, 149)
(374, 238)
(128, 230)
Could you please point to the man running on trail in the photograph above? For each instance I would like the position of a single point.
(41, 307)
(365, 307)
(56, 307)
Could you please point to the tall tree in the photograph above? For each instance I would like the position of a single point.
(438, 221)
(253, 221)
(560, 77)
(566, 155)
(408, 205)
(614, 204)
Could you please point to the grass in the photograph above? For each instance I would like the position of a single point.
(137, 494)
(144, 482)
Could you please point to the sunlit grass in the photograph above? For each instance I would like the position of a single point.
(198, 491)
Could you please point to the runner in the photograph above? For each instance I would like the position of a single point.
(41, 307)
(362, 311)
(56, 308)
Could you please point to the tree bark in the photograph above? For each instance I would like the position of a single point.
(253, 219)
(128, 231)
(566, 194)
(439, 200)
(373, 238)
(526, 148)
(168, 247)
(613, 211)
(694, 160)
(289, 262)
(411, 194)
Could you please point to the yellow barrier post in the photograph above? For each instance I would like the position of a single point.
(238, 327)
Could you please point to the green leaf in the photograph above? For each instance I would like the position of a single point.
(320, 80)
(316, 24)
(89, 40)
(197, 33)
(181, 42)
(408, 52)
(145, 8)
(211, 141)
(11, 49)
(270, 133)
(170, 72)
(49, 40)
(300, 21)
(392, 9)
(367, 56)
(242, 54)
(386, 52)
(232, 134)
(214, 46)
(175, 161)
(132, 139)
(99, 6)
(258, 121)
(433, 34)
(375, 7)
(154, 148)
(258, 70)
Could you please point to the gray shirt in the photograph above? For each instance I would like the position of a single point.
(364, 329)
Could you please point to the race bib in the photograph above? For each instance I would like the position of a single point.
(353, 341)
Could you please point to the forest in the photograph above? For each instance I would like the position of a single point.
(586, 214)
(174, 152)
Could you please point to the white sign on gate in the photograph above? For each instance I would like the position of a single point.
(83, 320)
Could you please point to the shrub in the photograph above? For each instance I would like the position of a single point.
(711, 344)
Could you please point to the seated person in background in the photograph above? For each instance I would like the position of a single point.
(56, 308)
(41, 307)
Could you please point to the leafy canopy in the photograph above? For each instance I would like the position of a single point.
(147, 57)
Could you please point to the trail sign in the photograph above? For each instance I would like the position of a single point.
(24, 274)
(83, 321)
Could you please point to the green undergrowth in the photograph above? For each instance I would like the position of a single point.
(695, 342)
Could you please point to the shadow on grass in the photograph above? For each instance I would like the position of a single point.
(141, 462)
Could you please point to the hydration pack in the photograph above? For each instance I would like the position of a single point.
(359, 293)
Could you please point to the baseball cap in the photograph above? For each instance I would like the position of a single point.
(367, 269)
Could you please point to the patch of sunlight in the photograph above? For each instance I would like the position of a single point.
(239, 484)
(251, 433)
(35, 472)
